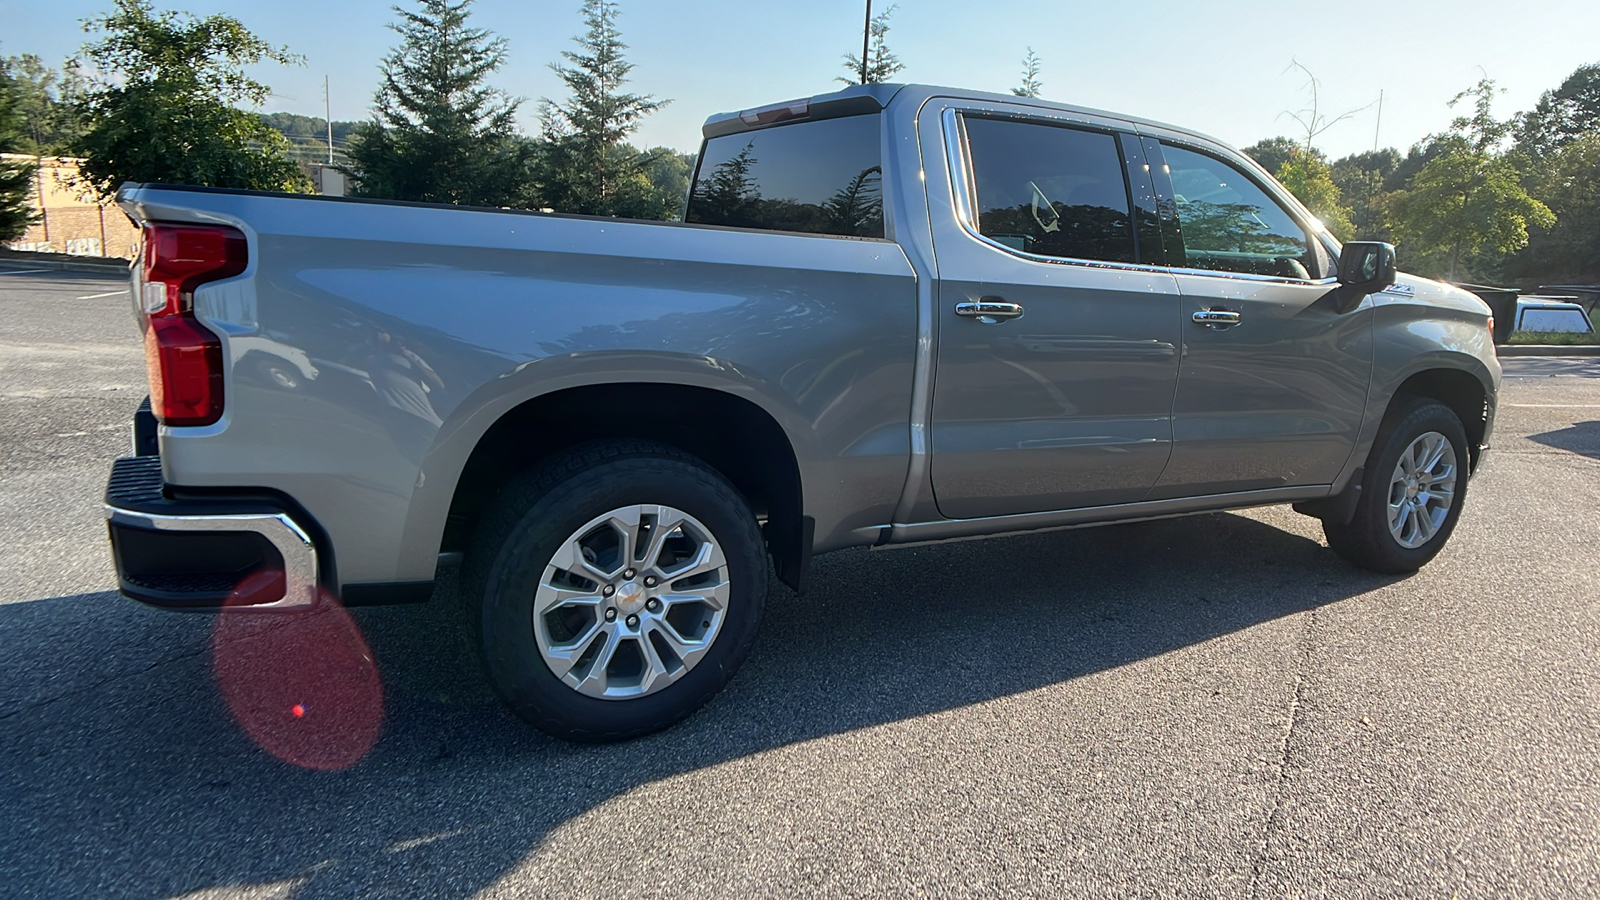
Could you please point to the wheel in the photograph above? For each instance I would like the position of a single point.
(613, 590)
(1411, 491)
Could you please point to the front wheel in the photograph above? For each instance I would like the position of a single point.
(1411, 492)
(614, 590)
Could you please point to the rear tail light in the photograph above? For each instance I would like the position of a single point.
(183, 357)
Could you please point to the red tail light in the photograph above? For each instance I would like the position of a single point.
(183, 357)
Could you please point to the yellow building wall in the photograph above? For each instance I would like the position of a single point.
(71, 221)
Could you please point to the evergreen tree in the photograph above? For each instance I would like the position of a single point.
(1031, 85)
(882, 64)
(44, 100)
(439, 134)
(588, 166)
(159, 106)
(16, 179)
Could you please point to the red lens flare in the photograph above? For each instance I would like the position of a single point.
(315, 665)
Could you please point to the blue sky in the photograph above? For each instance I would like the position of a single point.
(1217, 66)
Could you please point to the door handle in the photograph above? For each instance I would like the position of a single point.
(1217, 319)
(989, 310)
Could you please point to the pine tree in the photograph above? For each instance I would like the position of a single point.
(439, 134)
(588, 166)
(16, 179)
(1031, 85)
(882, 64)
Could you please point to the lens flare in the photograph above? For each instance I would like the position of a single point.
(266, 663)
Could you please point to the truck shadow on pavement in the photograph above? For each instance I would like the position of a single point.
(123, 773)
(1582, 438)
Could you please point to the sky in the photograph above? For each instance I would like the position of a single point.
(1223, 67)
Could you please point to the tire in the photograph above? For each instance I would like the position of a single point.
(1370, 540)
(664, 654)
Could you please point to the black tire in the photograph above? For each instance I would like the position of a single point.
(531, 519)
(1366, 540)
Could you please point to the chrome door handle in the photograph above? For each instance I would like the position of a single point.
(989, 310)
(1217, 318)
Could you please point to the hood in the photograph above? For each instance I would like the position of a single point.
(1415, 289)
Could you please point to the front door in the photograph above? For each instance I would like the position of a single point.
(1057, 349)
(1274, 379)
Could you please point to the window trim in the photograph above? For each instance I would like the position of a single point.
(1164, 182)
(964, 187)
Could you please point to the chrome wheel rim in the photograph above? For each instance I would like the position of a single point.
(631, 602)
(1422, 490)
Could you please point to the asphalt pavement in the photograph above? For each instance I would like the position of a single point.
(1208, 706)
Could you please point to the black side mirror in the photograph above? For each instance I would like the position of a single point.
(1365, 267)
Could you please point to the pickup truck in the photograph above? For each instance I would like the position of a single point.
(891, 315)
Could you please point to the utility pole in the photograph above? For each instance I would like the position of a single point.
(327, 116)
(1379, 123)
(866, 36)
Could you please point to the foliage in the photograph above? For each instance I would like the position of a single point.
(158, 106)
(1563, 115)
(882, 64)
(1271, 153)
(587, 166)
(309, 135)
(1568, 181)
(1031, 85)
(44, 100)
(1360, 178)
(668, 172)
(1310, 179)
(16, 179)
(439, 134)
(1464, 202)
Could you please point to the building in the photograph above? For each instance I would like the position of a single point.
(70, 220)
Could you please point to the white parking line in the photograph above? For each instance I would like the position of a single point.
(106, 294)
(1555, 405)
(24, 271)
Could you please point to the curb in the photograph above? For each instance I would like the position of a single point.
(1504, 350)
(12, 262)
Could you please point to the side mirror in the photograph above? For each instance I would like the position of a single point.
(1365, 267)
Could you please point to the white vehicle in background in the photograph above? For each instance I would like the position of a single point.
(1552, 315)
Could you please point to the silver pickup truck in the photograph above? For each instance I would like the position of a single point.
(892, 314)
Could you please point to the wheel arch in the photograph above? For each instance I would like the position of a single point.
(731, 433)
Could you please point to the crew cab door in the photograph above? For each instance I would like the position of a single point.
(1057, 345)
(1274, 378)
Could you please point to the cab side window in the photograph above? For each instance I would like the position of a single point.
(1050, 190)
(1231, 225)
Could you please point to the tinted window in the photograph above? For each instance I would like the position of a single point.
(823, 177)
(1231, 225)
(1050, 190)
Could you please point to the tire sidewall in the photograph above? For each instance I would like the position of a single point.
(510, 652)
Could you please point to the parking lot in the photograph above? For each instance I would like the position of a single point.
(1206, 706)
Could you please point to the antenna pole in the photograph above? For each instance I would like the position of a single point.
(866, 35)
(1379, 123)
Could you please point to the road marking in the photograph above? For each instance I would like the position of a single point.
(106, 294)
(24, 271)
(1555, 405)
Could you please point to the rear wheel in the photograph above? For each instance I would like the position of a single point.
(614, 590)
(1411, 492)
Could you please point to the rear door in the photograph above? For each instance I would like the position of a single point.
(1057, 337)
(1274, 379)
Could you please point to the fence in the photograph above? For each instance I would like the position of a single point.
(70, 221)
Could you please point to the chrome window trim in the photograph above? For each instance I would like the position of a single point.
(290, 540)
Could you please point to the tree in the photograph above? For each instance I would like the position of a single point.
(159, 103)
(1031, 85)
(16, 178)
(882, 64)
(1310, 179)
(1360, 178)
(1468, 198)
(1273, 152)
(1568, 181)
(439, 134)
(44, 101)
(588, 166)
(1311, 117)
(1563, 115)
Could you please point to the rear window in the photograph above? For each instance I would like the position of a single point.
(822, 177)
